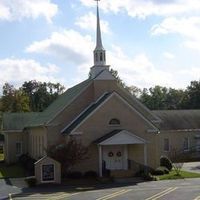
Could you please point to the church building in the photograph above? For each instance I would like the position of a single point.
(122, 135)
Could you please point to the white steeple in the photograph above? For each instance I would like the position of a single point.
(99, 52)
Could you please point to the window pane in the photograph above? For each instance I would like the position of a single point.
(18, 148)
(186, 144)
(166, 144)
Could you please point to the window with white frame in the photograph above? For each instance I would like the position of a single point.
(18, 148)
(166, 144)
(186, 144)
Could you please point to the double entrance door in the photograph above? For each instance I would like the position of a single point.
(115, 157)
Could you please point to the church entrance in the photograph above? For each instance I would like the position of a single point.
(114, 157)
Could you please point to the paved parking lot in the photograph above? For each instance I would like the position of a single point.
(188, 189)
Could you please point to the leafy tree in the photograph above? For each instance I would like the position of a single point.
(14, 100)
(68, 153)
(192, 100)
(41, 95)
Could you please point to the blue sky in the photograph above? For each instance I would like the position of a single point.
(149, 42)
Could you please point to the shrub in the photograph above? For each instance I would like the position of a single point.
(166, 162)
(31, 181)
(28, 163)
(90, 174)
(161, 171)
(74, 175)
(149, 177)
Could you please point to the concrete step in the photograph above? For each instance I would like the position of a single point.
(121, 173)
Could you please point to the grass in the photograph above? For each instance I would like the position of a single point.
(182, 175)
(1, 156)
(11, 171)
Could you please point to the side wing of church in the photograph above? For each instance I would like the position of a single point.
(121, 133)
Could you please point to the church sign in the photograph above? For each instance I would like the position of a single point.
(47, 170)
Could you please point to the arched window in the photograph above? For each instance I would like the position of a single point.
(101, 56)
(96, 56)
(114, 121)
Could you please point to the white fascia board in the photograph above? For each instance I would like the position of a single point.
(81, 113)
(122, 138)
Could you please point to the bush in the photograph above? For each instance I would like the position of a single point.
(74, 175)
(161, 171)
(90, 174)
(28, 163)
(31, 181)
(149, 177)
(166, 162)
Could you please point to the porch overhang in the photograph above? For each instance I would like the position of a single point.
(120, 137)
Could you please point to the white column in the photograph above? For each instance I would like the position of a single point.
(100, 160)
(145, 156)
(125, 164)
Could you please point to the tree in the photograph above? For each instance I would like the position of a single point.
(192, 100)
(68, 153)
(41, 95)
(14, 100)
(162, 98)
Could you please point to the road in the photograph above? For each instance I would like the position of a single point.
(188, 189)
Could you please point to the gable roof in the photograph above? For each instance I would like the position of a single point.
(85, 113)
(60, 103)
(178, 119)
(94, 106)
(17, 121)
(141, 108)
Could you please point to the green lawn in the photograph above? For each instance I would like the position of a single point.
(183, 174)
(1, 156)
(12, 171)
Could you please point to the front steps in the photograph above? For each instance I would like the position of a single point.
(121, 173)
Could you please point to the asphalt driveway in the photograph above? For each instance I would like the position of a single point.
(191, 167)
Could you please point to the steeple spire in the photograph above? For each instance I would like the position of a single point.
(99, 45)
(99, 52)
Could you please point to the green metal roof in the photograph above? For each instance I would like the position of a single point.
(84, 114)
(17, 121)
(178, 119)
(62, 101)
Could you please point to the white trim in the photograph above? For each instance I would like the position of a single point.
(53, 181)
(12, 131)
(117, 95)
(82, 113)
(69, 102)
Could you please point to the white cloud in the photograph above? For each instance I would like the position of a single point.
(187, 28)
(145, 8)
(16, 71)
(13, 10)
(88, 22)
(68, 45)
(168, 55)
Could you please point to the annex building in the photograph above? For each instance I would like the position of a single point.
(121, 133)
